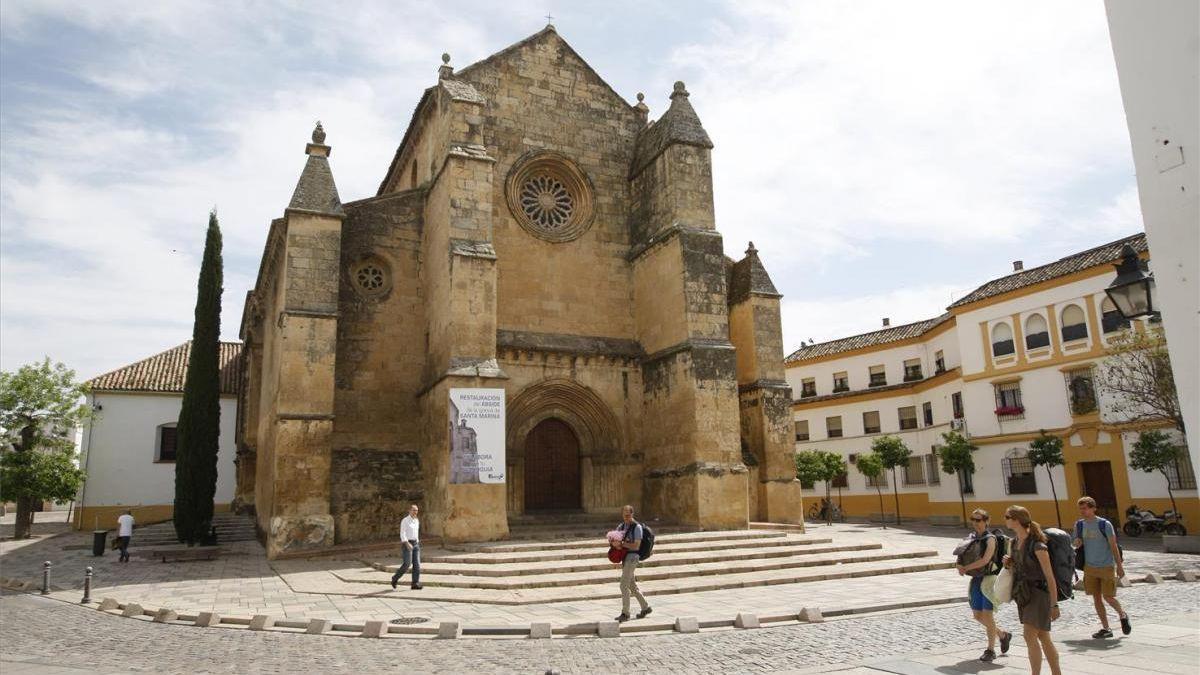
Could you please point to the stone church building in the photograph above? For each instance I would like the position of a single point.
(534, 233)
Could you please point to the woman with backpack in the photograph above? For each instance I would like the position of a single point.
(986, 544)
(1034, 588)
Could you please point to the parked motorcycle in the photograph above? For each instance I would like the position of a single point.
(1139, 520)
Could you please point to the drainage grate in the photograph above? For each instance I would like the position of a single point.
(406, 620)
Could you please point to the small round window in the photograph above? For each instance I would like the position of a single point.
(370, 277)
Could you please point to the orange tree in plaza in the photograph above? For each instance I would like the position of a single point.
(819, 465)
(871, 466)
(893, 453)
(1046, 450)
(956, 459)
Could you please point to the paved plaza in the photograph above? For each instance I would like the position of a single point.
(47, 636)
(244, 583)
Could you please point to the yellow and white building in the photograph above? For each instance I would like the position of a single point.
(1013, 357)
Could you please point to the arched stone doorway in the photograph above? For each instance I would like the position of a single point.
(552, 472)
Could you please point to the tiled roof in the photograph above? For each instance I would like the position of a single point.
(166, 372)
(1108, 253)
(879, 337)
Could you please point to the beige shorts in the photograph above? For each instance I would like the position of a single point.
(1100, 581)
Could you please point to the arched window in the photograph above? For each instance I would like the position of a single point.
(1002, 340)
(1074, 325)
(1036, 333)
(1111, 320)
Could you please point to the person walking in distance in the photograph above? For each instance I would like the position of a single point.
(981, 607)
(410, 538)
(124, 534)
(1102, 564)
(1034, 589)
(631, 543)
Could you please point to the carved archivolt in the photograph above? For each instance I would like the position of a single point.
(589, 416)
(549, 196)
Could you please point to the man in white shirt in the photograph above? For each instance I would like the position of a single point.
(124, 534)
(410, 537)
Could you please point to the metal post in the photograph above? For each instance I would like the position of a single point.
(87, 587)
(46, 578)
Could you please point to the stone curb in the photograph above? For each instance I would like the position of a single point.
(539, 630)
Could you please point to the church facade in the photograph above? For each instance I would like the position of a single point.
(534, 233)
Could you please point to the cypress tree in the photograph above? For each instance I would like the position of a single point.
(200, 417)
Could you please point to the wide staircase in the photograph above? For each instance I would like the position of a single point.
(231, 527)
(556, 560)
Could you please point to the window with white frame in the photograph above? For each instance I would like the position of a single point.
(166, 443)
(801, 430)
(1037, 335)
(1008, 401)
(1074, 324)
(833, 426)
(841, 382)
(912, 370)
(871, 422)
(808, 387)
(878, 377)
(1002, 340)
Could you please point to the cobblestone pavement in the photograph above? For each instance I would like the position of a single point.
(244, 583)
(47, 636)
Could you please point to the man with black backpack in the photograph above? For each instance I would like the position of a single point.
(635, 536)
(1096, 539)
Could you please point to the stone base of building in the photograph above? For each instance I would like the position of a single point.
(293, 534)
(781, 502)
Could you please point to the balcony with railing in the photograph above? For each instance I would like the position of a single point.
(877, 380)
(808, 389)
(913, 373)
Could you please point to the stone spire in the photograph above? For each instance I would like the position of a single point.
(749, 277)
(445, 70)
(679, 124)
(316, 191)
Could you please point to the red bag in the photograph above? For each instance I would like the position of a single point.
(616, 555)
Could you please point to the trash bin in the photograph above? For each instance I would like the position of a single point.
(99, 539)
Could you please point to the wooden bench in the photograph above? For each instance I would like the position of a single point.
(185, 554)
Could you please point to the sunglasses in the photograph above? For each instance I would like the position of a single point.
(979, 520)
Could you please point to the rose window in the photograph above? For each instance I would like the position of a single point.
(547, 202)
(370, 277)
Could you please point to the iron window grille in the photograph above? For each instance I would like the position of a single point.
(939, 364)
(966, 482)
(908, 418)
(934, 470)
(808, 389)
(1008, 401)
(956, 404)
(914, 471)
(1019, 478)
(879, 482)
(927, 412)
(841, 384)
(878, 380)
(912, 373)
(1180, 473)
(1080, 391)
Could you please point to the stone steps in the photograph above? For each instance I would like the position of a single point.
(597, 562)
(230, 528)
(915, 561)
(662, 542)
(670, 572)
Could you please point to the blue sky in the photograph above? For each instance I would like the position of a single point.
(884, 157)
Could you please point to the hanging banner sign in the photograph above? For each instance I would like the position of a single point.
(476, 436)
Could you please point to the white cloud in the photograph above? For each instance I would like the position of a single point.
(831, 318)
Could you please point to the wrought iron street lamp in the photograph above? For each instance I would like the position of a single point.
(1133, 290)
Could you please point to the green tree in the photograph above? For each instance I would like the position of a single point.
(871, 466)
(957, 460)
(200, 415)
(40, 407)
(1154, 451)
(893, 453)
(819, 465)
(1047, 451)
